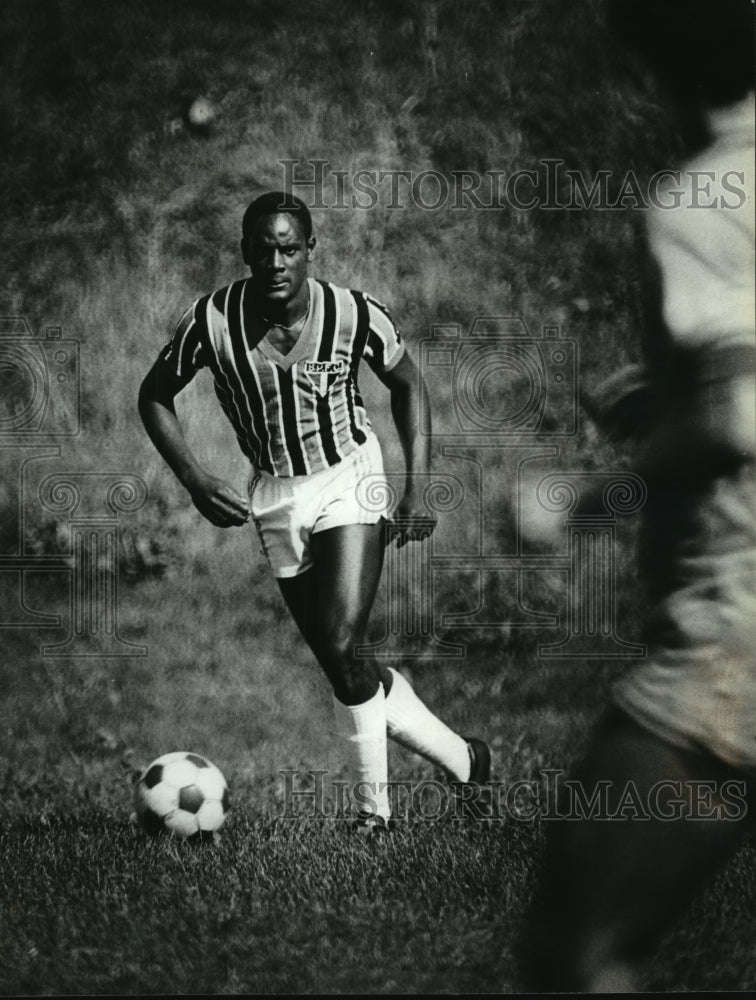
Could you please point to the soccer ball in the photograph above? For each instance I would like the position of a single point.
(183, 794)
(201, 113)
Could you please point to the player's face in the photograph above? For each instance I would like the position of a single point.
(278, 254)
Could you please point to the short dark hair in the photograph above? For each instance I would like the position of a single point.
(699, 50)
(274, 203)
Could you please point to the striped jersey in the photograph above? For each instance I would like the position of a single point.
(297, 413)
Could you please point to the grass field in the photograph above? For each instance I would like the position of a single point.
(283, 904)
(117, 215)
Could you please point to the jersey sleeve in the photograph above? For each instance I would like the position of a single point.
(186, 352)
(384, 347)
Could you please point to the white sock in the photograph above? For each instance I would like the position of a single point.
(363, 730)
(411, 723)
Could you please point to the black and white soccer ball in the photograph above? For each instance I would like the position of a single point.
(183, 794)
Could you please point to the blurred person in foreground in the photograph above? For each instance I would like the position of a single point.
(683, 726)
(284, 350)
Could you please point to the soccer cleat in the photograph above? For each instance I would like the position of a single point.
(474, 798)
(480, 761)
(369, 825)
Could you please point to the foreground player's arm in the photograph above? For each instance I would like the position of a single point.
(708, 430)
(410, 408)
(214, 498)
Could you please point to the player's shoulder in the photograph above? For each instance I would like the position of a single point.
(208, 304)
(220, 297)
(376, 307)
(360, 306)
(340, 291)
(358, 294)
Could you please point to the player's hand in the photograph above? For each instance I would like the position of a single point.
(411, 522)
(219, 502)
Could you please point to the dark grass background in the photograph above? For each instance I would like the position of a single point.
(116, 216)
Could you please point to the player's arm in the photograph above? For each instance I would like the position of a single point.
(214, 498)
(410, 409)
(708, 428)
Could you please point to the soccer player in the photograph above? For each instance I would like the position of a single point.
(284, 350)
(682, 731)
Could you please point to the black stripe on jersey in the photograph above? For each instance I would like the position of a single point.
(248, 315)
(290, 423)
(179, 354)
(230, 307)
(200, 319)
(363, 328)
(329, 323)
(245, 319)
(322, 406)
(358, 349)
(175, 346)
(254, 411)
(228, 387)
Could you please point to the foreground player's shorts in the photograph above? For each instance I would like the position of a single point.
(288, 510)
(697, 690)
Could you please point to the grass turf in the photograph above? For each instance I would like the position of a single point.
(280, 904)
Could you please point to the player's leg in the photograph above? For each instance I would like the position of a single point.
(331, 604)
(301, 596)
(409, 721)
(412, 724)
(347, 563)
(611, 887)
(348, 560)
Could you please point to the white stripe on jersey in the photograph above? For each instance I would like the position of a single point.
(334, 357)
(298, 420)
(284, 446)
(258, 383)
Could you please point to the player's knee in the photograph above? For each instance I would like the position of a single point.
(338, 644)
(352, 679)
(354, 688)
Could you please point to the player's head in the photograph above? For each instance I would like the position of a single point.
(277, 244)
(273, 203)
(702, 52)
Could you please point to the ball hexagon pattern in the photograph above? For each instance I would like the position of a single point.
(181, 793)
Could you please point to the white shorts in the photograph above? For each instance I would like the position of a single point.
(287, 510)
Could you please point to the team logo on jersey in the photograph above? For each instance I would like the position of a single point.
(322, 374)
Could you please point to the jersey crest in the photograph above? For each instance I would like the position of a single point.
(322, 374)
